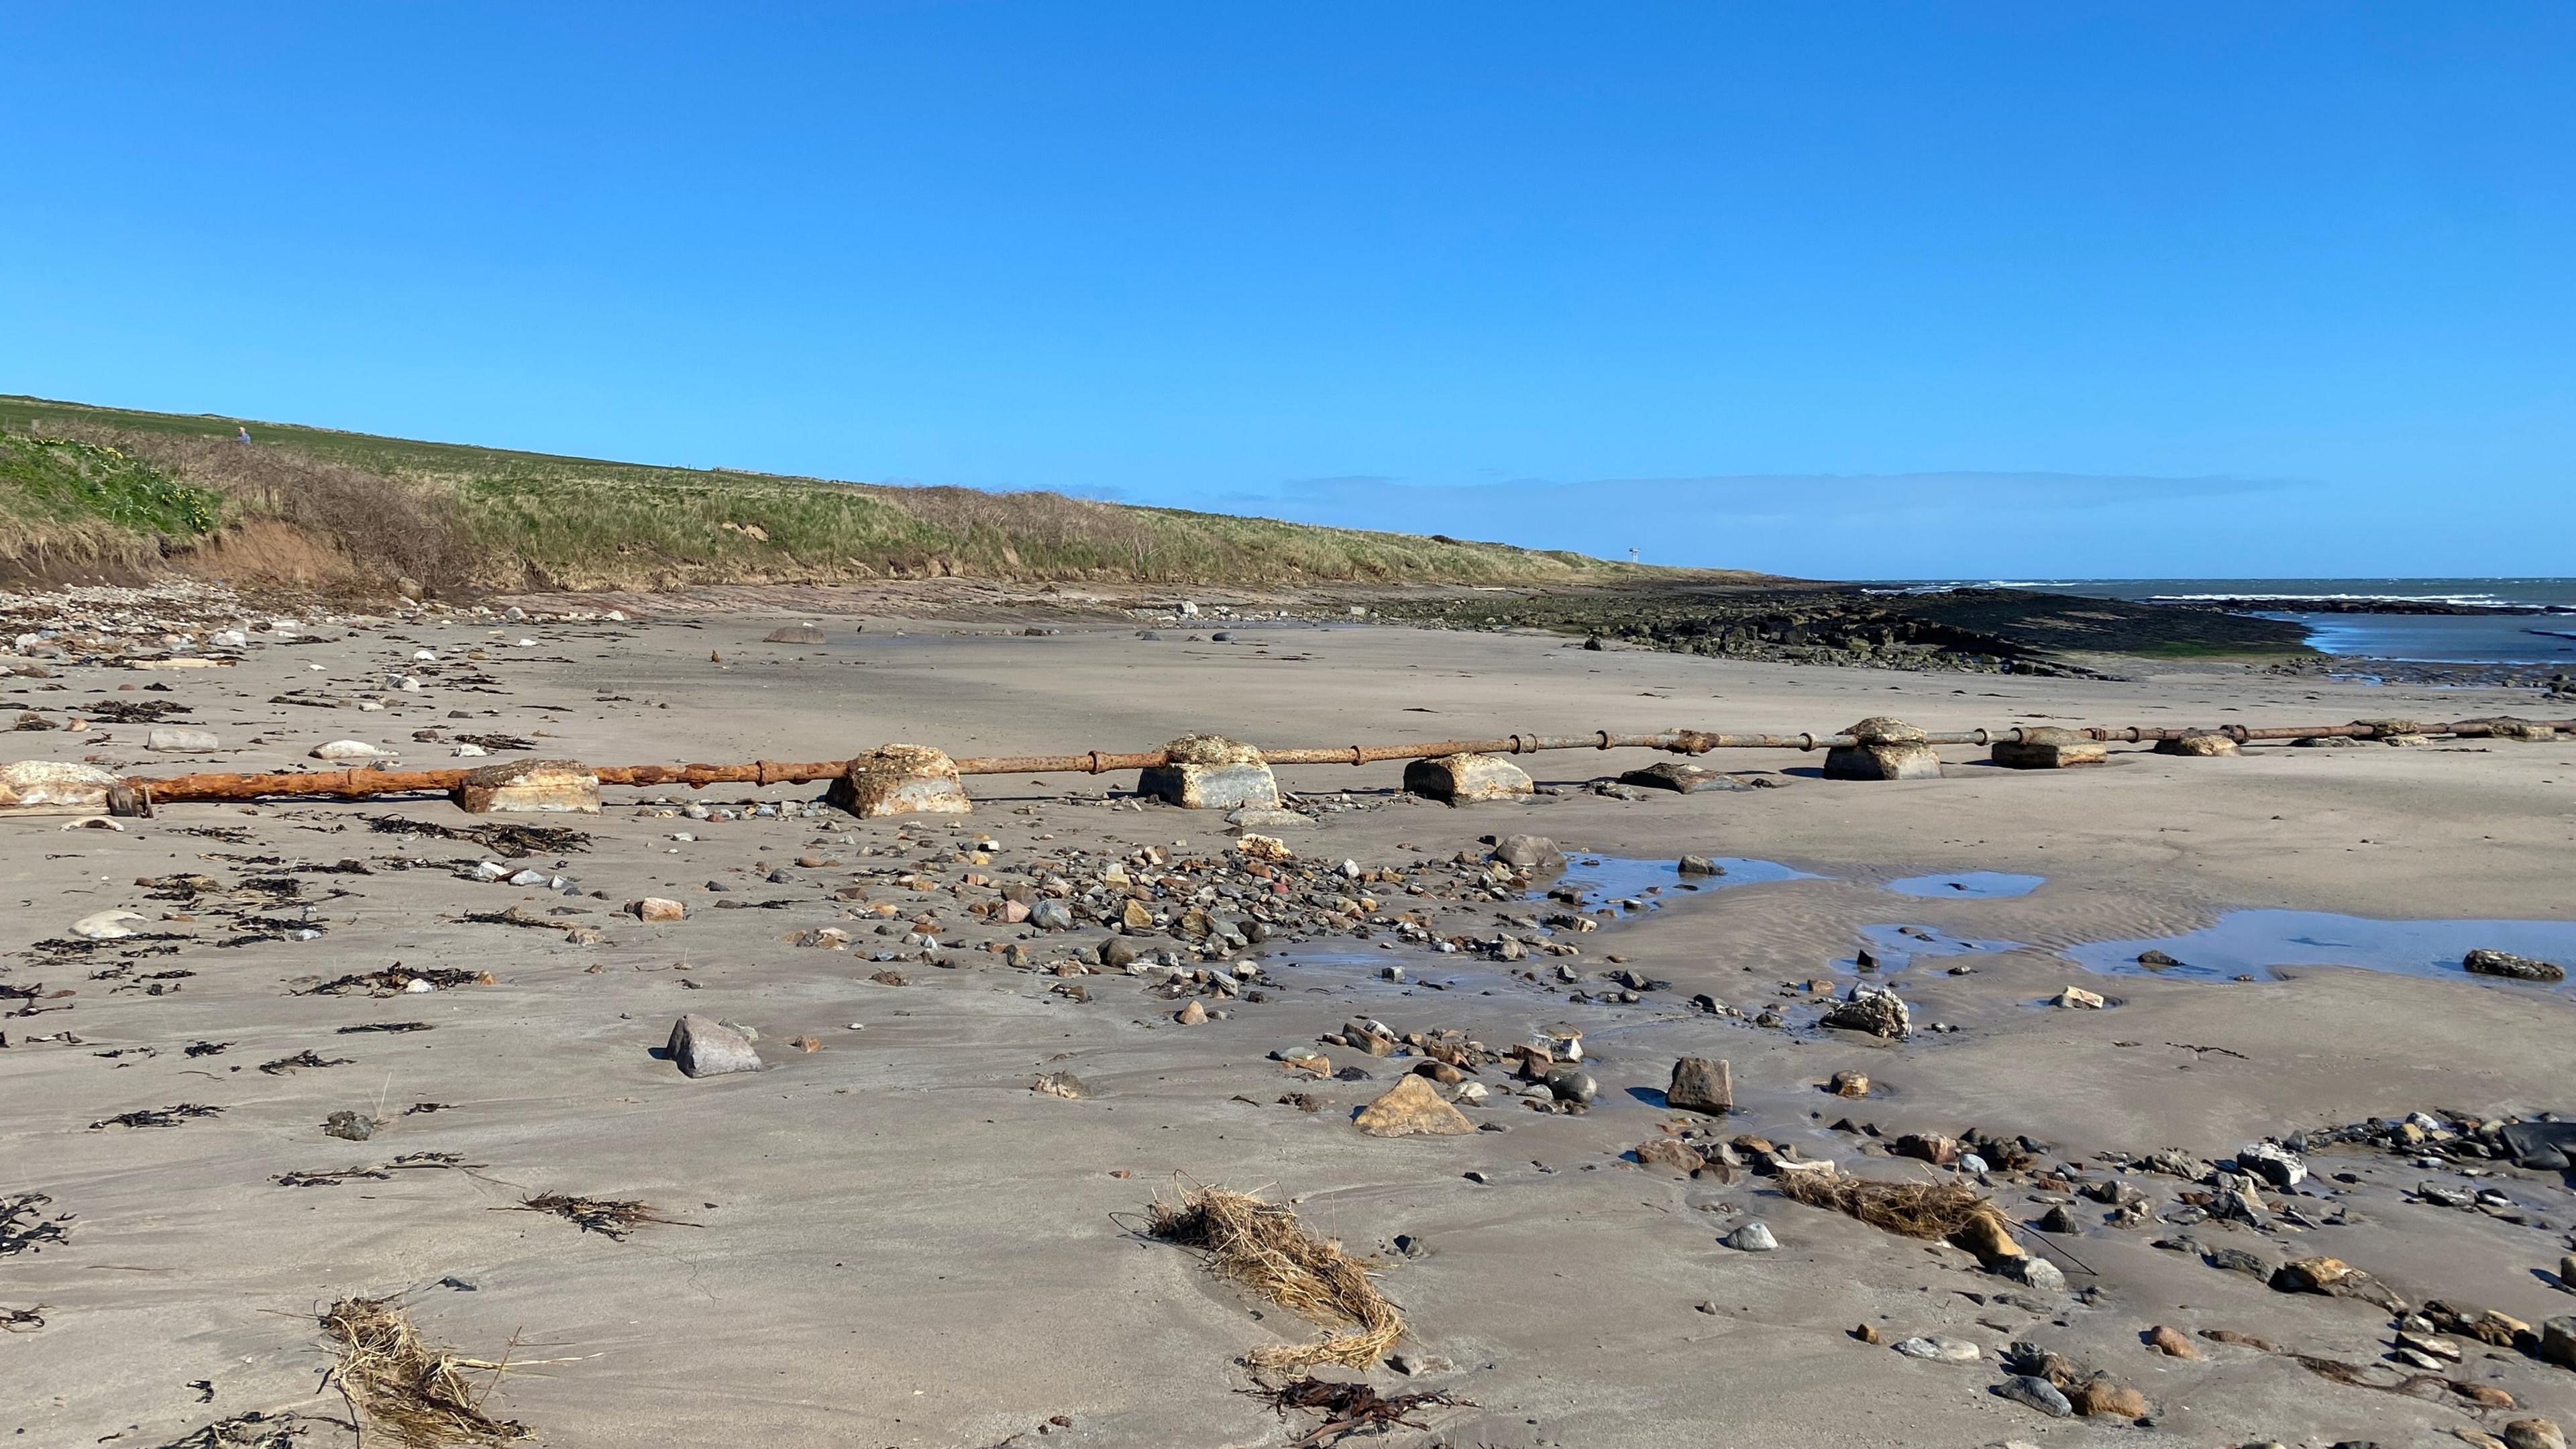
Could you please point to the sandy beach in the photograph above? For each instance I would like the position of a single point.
(887, 1238)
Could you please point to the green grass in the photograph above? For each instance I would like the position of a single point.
(79, 507)
(515, 520)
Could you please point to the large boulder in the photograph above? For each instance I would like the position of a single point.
(2483, 962)
(1701, 1085)
(706, 1047)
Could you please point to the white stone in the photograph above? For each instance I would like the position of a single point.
(346, 750)
(108, 926)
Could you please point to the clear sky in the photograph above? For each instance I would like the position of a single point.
(1854, 290)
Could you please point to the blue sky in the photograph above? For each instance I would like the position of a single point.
(1851, 290)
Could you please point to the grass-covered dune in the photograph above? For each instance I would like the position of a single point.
(109, 492)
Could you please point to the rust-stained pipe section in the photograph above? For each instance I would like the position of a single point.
(358, 784)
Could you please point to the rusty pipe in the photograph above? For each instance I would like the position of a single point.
(357, 784)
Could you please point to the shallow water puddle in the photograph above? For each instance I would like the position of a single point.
(2254, 942)
(1976, 885)
(1596, 881)
(1895, 947)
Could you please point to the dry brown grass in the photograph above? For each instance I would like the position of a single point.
(1932, 1211)
(399, 1384)
(1263, 1247)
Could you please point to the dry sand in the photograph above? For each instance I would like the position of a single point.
(893, 1241)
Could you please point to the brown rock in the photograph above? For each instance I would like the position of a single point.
(655, 908)
(1987, 1236)
(2533, 1434)
(530, 787)
(1412, 1108)
(1929, 1147)
(2171, 1342)
(1848, 1083)
(1441, 1072)
(2210, 746)
(1060, 1084)
(1701, 1085)
(2104, 1397)
(1135, 916)
(1191, 1015)
(1671, 1152)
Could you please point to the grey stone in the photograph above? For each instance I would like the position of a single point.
(2032, 1271)
(705, 1047)
(1572, 1084)
(2237, 1260)
(1872, 1009)
(1529, 852)
(2035, 1393)
(1700, 865)
(2558, 1341)
(1939, 1348)
(2483, 962)
(1681, 777)
(1051, 915)
(1753, 1237)
(180, 740)
(349, 1126)
(2273, 1163)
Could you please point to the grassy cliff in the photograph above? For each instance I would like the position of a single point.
(112, 491)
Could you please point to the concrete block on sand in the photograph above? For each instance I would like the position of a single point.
(901, 780)
(706, 1047)
(2047, 747)
(180, 740)
(1467, 778)
(1211, 772)
(530, 787)
(2210, 746)
(1883, 748)
(43, 787)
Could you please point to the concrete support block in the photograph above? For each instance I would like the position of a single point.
(1883, 748)
(901, 780)
(42, 787)
(2210, 746)
(1466, 779)
(2049, 748)
(530, 787)
(1211, 772)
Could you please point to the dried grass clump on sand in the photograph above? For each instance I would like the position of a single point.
(1263, 1247)
(1929, 1210)
(418, 1394)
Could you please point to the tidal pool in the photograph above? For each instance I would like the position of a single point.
(2254, 942)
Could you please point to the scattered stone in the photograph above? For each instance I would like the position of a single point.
(1192, 1014)
(109, 925)
(349, 1126)
(2035, 1393)
(1060, 1084)
(1670, 1152)
(706, 1047)
(2273, 1163)
(2104, 1397)
(1529, 852)
(1849, 1083)
(1680, 777)
(1571, 1084)
(794, 634)
(2558, 1341)
(346, 750)
(1752, 1237)
(2334, 1278)
(2533, 1434)
(1872, 1009)
(2032, 1271)
(2483, 962)
(2077, 996)
(1939, 1348)
(1699, 865)
(656, 908)
(180, 740)
(1701, 1085)
(2155, 960)
(1412, 1108)
(2171, 1342)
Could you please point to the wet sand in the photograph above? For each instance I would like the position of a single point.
(892, 1240)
